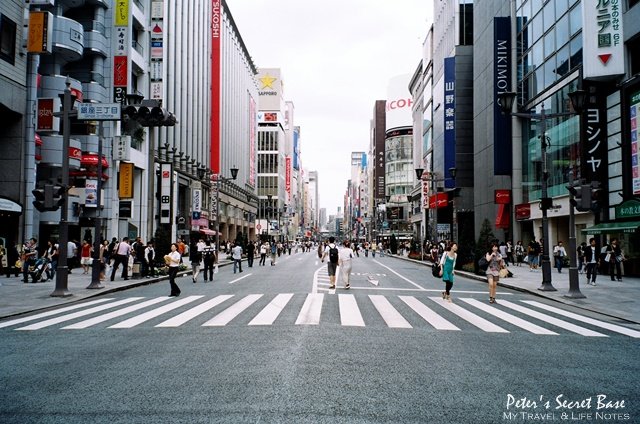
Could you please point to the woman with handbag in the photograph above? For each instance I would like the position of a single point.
(447, 269)
(496, 263)
(172, 260)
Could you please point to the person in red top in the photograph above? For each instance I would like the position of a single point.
(85, 256)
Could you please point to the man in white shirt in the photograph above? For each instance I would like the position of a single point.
(236, 253)
(122, 252)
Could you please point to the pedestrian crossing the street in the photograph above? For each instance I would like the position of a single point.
(401, 312)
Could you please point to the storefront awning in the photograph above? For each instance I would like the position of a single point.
(207, 231)
(613, 227)
(502, 219)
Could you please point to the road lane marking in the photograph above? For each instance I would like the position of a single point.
(404, 278)
(438, 322)
(114, 314)
(595, 322)
(310, 312)
(178, 320)
(470, 317)
(388, 312)
(271, 312)
(64, 318)
(241, 278)
(551, 320)
(349, 312)
(225, 317)
(50, 313)
(511, 319)
(132, 322)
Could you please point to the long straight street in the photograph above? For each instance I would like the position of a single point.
(275, 344)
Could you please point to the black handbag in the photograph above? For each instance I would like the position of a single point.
(435, 270)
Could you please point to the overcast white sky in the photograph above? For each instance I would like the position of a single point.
(336, 58)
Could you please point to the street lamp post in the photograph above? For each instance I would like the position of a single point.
(505, 101)
(219, 178)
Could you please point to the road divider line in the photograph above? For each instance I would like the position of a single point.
(401, 276)
(241, 278)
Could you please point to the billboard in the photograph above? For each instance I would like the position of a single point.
(216, 94)
(399, 103)
(602, 39)
(269, 89)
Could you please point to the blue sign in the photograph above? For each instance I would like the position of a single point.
(195, 215)
(502, 164)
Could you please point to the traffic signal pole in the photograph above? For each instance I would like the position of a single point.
(574, 279)
(62, 272)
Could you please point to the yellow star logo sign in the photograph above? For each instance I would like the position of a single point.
(267, 81)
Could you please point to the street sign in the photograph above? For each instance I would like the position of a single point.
(99, 112)
(196, 215)
(258, 227)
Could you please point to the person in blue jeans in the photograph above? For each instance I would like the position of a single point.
(236, 253)
(447, 269)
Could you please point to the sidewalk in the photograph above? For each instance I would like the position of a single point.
(18, 298)
(617, 299)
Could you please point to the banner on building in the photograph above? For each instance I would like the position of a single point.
(121, 10)
(125, 181)
(449, 117)
(91, 194)
(594, 134)
(253, 129)
(634, 131)
(287, 176)
(166, 176)
(120, 71)
(39, 33)
(216, 23)
(502, 162)
(602, 39)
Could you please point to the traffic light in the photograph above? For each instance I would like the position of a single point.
(581, 197)
(595, 193)
(149, 117)
(49, 198)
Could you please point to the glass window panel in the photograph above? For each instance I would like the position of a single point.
(538, 81)
(561, 7)
(576, 52)
(550, 71)
(562, 61)
(536, 6)
(537, 54)
(575, 19)
(549, 15)
(536, 27)
(562, 31)
(549, 43)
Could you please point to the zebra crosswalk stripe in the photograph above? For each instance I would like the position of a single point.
(511, 319)
(271, 312)
(428, 314)
(224, 317)
(470, 317)
(114, 314)
(389, 314)
(553, 321)
(51, 313)
(178, 320)
(58, 320)
(349, 312)
(132, 322)
(310, 313)
(594, 322)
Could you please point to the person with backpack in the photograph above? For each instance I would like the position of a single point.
(331, 251)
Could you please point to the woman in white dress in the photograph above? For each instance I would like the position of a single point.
(344, 262)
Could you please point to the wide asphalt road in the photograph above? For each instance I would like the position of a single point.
(273, 344)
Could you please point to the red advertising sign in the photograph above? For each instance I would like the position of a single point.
(287, 174)
(442, 201)
(216, 22)
(502, 197)
(523, 211)
(45, 115)
(120, 71)
(425, 194)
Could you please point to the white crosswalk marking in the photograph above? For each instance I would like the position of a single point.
(102, 318)
(51, 313)
(271, 312)
(224, 317)
(428, 314)
(470, 317)
(310, 313)
(349, 313)
(132, 322)
(388, 312)
(79, 314)
(511, 319)
(178, 320)
(595, 322)
(551, 320)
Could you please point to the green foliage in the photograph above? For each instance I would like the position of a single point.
(486, 237)
(162, 242)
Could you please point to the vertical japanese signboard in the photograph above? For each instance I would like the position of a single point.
(165, 193)
(125, 190)
(594, 134)
(121, 49)
(502, 163)
(449, 116)
(602, 39)
(634, 107)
